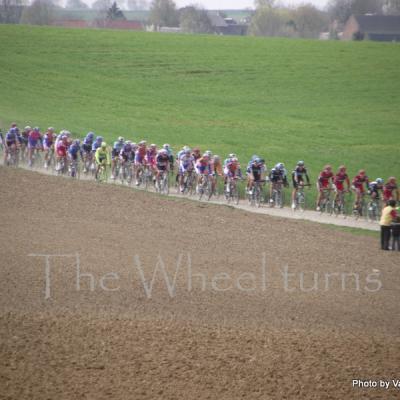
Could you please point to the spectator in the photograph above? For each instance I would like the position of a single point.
(396, 231)
(388, 216)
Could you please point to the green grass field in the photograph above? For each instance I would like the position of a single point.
(336, 102)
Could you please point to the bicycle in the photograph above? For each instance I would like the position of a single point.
(325, 203)
(373, 210)
(255, 195)
(339, 203)
(231, 190)
(61, 166)
(188, 183)
(204, 187)
(74, 170)
(126, 172)
(360, 208)
(162, 183)
(278, 195)
(300, 198)
(12, 157)
(102, 174)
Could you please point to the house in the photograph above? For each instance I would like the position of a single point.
(384, 28)
(225, 26)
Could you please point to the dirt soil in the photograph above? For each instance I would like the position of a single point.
(148, 297)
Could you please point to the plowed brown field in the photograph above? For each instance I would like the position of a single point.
(147, 297)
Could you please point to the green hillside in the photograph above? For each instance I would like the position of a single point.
(284, 99)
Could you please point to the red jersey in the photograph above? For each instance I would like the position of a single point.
(324, 177)
(61, 149)
(339, 180)
(359, 181)
(388, 190)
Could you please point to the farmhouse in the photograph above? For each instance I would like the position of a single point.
(384, 28)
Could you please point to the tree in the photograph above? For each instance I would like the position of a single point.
(76, 5)
(40, 12)
(163, 13)
(10, 11)
(194, 20)
(269, 21)
(114, 12)
(309, 22)
(391, 7)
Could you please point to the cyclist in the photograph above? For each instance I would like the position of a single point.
(339, 180)
(117, 146)
(151, 156)
(203, 168)
(140, 159)
(61, 154)
(324, 183)
(298, 175)
(232, 171)
(256, 170)
(277, 176)
(48, 145)
(167, 147)
(34, 142)
(11, 143)
(24, 143)
(162, 163)
(391, 190)
(359, 185)
(186, 165)
(102, 157)
(73, 152)
(87, 150)
(374, 188)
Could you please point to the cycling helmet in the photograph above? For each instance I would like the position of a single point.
(186, 148)
(232, 155)
(205, 155)
(133, 144)
(235, 160)
(254, 156)
(153, 146)
(300, 163)
(361, 172)
(342, 168)
(68, 133)
(262, 161)
(187, 151)
(196, 150)
(99, 138)
(163, 151)
(327, 166)
(13, 125)
(392, 179)
(216, 157)
(166, 146)
(90, 135)
(103, 145)
(50, 129)
(120, 139)
(142, 143)
(36, 129)
(77, 142)
(379, 181)
(63, 137)
(27, 128)
(257, 160)
(280, 166)
(209, 152)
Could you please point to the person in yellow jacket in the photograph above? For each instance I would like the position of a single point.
(389, 214)
(102, 157)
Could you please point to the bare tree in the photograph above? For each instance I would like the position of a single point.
(309, 22)
(10, 11)
(40, 12)
(391, 7)
(163, 13)
(194, 20)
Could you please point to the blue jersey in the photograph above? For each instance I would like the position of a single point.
(95, 146)
(74, 149)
